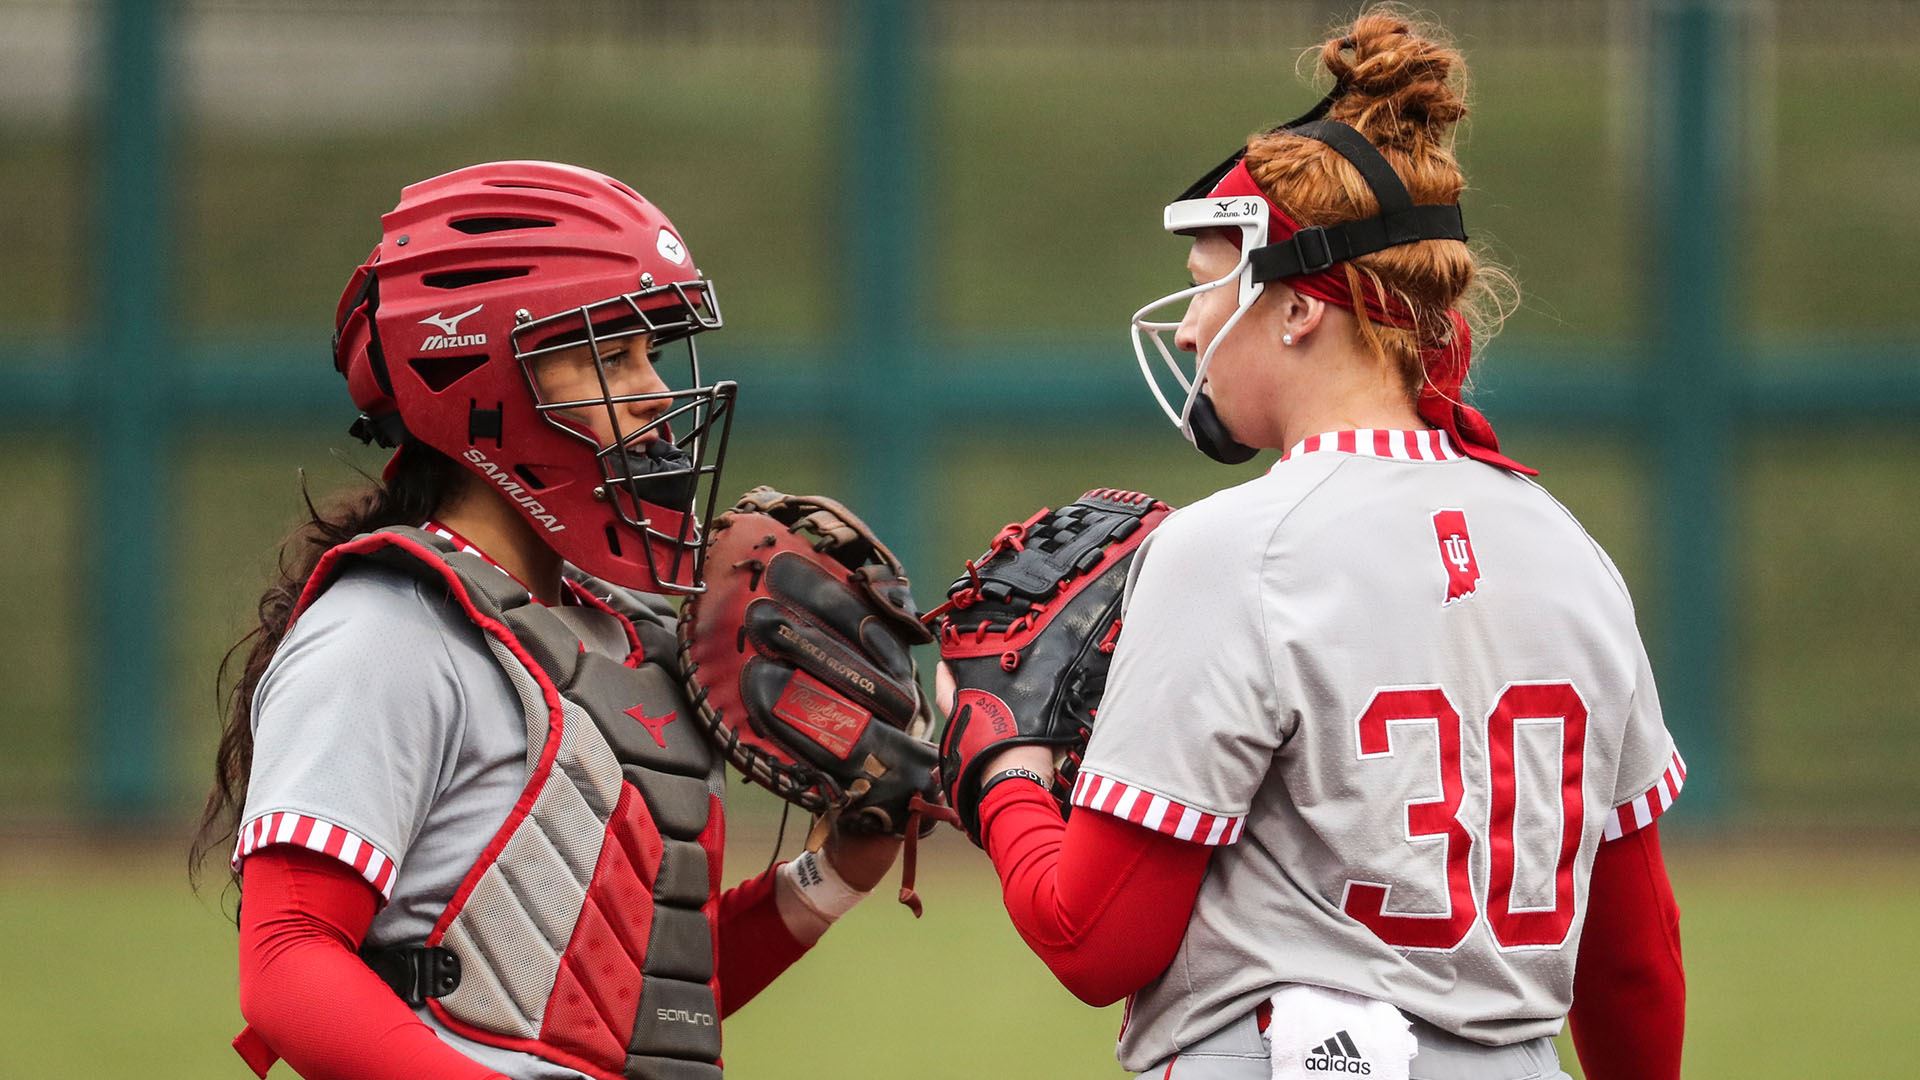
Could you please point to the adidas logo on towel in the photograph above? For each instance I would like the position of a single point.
(1338, 1055)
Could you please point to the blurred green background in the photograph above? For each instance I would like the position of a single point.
(1023, 195)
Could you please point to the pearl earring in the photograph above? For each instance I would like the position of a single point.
(1286, 339)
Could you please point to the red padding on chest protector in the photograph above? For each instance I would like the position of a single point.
(591, 1011)
(536, 781)
(499, 631)
(714, 839)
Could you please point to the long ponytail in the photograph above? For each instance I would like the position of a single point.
(421, 486)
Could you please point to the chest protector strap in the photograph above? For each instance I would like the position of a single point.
(583, 934)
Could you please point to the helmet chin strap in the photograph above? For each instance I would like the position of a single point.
(1200, 419)
(660, 473)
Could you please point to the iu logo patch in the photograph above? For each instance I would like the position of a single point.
(1456, 554)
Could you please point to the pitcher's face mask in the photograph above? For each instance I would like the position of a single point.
(1273, 247)
(1181, 393)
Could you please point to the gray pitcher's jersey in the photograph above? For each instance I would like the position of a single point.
(1404, 691)
(387, 736)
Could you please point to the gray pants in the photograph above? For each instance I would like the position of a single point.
(1235, 1052)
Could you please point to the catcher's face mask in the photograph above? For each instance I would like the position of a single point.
(486, 274)
(635, 395)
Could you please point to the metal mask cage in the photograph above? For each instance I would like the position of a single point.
(667, 498)
(667, 312)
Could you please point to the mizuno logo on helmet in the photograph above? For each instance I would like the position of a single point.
(450, 336)
(670, 247)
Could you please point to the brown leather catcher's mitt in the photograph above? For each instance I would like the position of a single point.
(797, 658)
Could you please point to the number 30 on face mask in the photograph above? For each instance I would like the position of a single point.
(1438, 820)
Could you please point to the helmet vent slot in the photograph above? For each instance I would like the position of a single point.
(460, 279)
(534, 185)
(613, 540)
(474, 226)
(529, 477)
(440, 372)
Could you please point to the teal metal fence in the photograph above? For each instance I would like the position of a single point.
(1696, 386)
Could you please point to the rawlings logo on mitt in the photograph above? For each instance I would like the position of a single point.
(797, 659)
(1028, 634)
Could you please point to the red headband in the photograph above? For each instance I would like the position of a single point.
(1446, 365)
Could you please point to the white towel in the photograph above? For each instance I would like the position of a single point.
(1322, 1034)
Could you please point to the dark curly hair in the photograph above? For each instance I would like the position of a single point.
(422, 484)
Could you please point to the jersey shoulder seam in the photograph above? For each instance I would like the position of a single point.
(1605, 559)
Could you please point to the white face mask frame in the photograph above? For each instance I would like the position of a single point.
(1249, 214)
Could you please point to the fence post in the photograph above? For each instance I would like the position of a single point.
(126, 416)
(1693, 106)
(882, 93)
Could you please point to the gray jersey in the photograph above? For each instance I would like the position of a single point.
(387, 736)
(1404, 691)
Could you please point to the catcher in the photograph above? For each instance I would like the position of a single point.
(475, 764)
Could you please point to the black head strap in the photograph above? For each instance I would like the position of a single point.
(1200, 188)
(387, 429)
(1317, 247)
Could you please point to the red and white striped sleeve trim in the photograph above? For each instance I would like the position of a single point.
(1638, 812)
(287, 827)
(1157, 812)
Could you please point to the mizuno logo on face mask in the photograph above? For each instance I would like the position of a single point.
(450, 336)
(512, 489)
(1233, 208)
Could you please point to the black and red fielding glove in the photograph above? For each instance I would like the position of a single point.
(1028, 634)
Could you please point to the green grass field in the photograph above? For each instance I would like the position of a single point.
(1798, 961)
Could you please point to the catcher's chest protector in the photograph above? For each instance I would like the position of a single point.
(584, 933)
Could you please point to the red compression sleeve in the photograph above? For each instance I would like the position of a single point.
(754, 942)
(1629, 990)
(1102, 901)
(305, 991)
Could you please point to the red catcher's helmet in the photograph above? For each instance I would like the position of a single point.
(478, 274)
